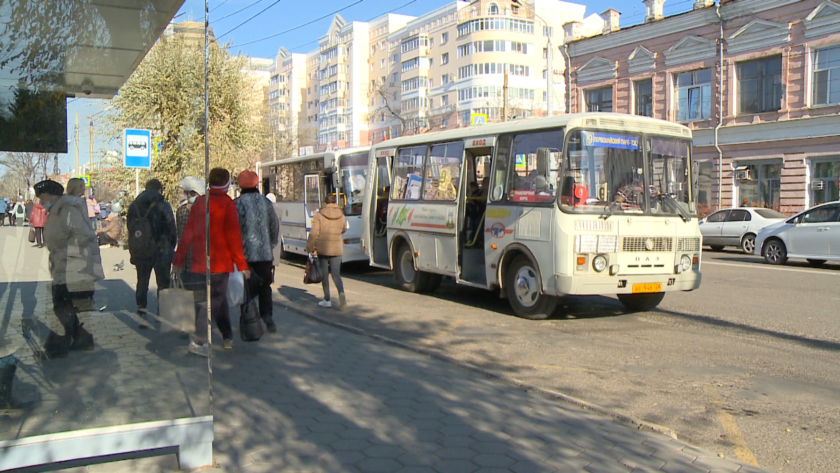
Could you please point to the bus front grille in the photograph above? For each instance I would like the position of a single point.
(688, 244)
(644, 244)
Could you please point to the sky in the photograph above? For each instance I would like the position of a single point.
(231, 21)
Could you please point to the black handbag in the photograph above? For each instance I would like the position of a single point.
(250, 325)
(312, 273)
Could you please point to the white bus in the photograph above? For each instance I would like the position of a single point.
(300, 185)
(594, 203)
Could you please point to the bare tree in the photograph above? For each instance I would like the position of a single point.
(388, 105)
(22, 171)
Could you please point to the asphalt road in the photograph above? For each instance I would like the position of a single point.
(746, 366)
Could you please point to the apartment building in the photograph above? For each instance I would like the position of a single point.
(757, 80)
(400, 74)
(457, 61)
(384, 119)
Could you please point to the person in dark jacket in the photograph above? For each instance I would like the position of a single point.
(150, 202)
(260, 234)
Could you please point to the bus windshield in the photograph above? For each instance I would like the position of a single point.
(353, 175)
(605, 173)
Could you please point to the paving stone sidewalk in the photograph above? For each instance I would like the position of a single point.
(314, 398)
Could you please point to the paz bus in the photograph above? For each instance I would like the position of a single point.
(300, 184)
(580, 204)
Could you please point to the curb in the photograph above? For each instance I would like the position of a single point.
(638, 423)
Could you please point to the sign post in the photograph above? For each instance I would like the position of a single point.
(137, 152)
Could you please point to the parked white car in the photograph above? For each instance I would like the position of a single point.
(737, 227)
(813, 235)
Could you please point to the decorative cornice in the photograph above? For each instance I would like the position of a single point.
(825, 19)
(641, 60)
(597, 69)
(640, 33)
(689, 49)
(758, 34)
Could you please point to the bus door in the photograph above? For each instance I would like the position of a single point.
(478, 156)
(311, 198)
(378, 218)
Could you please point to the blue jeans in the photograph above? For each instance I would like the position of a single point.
(330, 266)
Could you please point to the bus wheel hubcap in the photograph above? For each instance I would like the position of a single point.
(408, 267)
(526, 287)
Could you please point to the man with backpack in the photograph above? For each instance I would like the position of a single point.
(151, 242)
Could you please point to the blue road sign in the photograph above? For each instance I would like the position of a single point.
(138, 148)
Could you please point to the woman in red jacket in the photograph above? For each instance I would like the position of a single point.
(38, 219)
(225, 251)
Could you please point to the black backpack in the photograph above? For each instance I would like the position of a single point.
(141, 240)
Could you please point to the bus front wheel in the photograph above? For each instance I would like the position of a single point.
(641, 302)
(409, 278)
(524, 292)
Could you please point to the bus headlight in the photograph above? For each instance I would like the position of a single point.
(685, 263)
(599, 263)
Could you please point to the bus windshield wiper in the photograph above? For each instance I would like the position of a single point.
(608, 211)
(671, 200)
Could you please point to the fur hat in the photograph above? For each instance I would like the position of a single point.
(48, 187)
(194, 184)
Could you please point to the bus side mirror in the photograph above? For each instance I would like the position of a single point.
(542, 161)
(336, 180)
(497, 193)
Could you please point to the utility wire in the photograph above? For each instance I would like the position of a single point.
(217, 6)
(372, 18)
(237, 11)
(249, 19)
(299, 26)
(391, 11)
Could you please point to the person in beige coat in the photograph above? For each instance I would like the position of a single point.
(326, 244)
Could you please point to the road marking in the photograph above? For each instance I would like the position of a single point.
(733, 434)
(793, 270)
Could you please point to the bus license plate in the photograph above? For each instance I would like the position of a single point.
(649, 287)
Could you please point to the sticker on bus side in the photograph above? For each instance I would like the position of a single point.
(497, 213)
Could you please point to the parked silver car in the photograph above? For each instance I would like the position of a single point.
(813, 235)
(737, 227)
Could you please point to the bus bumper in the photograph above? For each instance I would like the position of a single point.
(623, 283)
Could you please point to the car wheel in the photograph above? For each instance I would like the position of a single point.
(774, 252)
(716, 247)
(748, 243)
(816, 262)
(641, 302)
(524, 292)
(409, 278)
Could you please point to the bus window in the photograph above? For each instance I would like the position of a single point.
(536, 166)
(407, 173)
(353, 177)
(443, 172)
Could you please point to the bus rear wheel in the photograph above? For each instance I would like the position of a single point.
(407, 276)
(641, 302)
(524, 291)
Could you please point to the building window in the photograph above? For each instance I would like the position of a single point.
(444, 37)
(444, 58)
(694, 95)
(826, 76)
(825, 182)
(760, 85)
(493, 10)
(763, 186)
(644, 97)
(599, 100)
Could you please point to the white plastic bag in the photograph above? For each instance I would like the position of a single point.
(236, 288)
(177, 308)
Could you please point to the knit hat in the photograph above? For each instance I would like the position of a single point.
(247, 179)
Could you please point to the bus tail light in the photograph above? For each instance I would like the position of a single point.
(581, 260)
